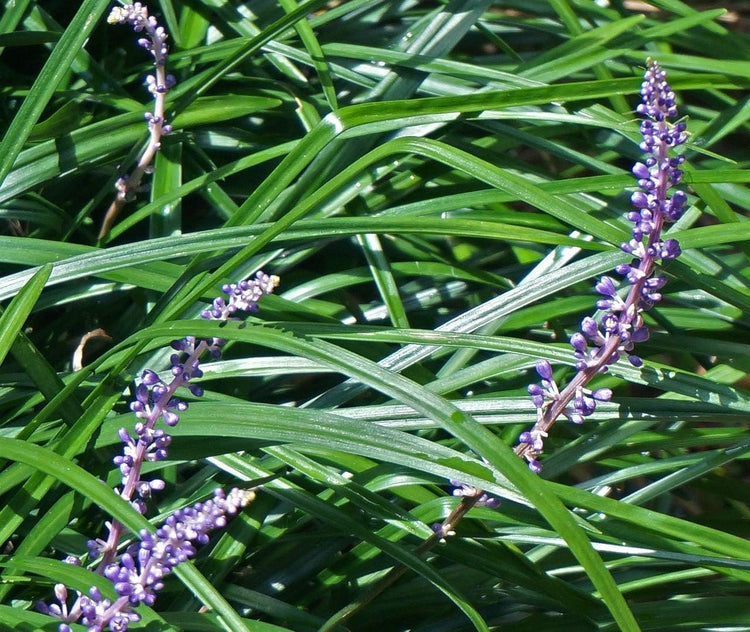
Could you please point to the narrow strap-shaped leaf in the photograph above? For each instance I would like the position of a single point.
(19, 309)
(46, 83)
(75, 477)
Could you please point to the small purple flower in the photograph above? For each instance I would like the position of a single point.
(485, 500)
(242, 296)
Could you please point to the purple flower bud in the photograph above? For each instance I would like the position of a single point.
(606, 286)
(678, 199)
(670, 249)
(544, 369)
(639, 199)
(177, 404)
(196, 390)
(655, 282)
(491, 502)
(158, 391)
(573, 416)
(180, 345)
(590, 328)
(578, 342)
(640, 334)
(641, 171)
(170, 418)
(149, 378)
(535, 389)
(635, 361)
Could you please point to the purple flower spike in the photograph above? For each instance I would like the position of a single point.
(158, 84)
(601, 343)
(242, 296)
(137, 574)
(155, 399)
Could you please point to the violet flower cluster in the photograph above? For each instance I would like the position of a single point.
(482, 498)
(600, 344)
(158, 84)
(138, 573)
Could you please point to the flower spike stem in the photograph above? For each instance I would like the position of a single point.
(441, 532)
(600, 344)
(158, 85)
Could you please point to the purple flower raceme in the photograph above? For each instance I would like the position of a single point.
(600, 344)
(138, 572)
(158, 84)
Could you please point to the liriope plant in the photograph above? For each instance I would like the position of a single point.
(384, 214)
(137, 574)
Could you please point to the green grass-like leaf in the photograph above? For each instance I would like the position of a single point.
(438, 187)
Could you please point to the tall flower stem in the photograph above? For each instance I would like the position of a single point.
(441, 531)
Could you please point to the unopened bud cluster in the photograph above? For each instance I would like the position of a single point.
(158, 84)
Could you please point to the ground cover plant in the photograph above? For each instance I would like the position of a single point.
(374, 257)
